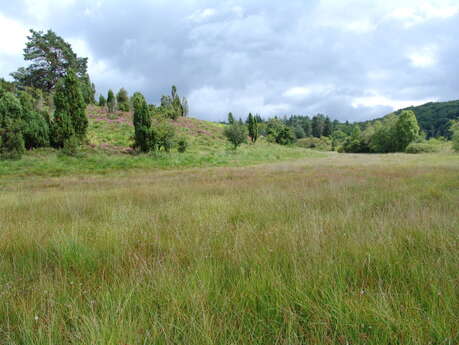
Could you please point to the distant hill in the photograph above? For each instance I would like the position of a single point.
(434, 117)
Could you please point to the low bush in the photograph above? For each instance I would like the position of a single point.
(321, 144)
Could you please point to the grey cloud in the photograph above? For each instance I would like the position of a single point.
(243, 56)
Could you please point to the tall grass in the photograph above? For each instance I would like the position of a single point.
(351, 249)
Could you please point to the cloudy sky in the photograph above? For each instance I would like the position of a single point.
(350, 59)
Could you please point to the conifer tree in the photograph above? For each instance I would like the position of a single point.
(102, 101)
(142, 124)
(253, 128)
(11, 125)
(111, 101)
(230, 118)
(69, 100)
(62, 128)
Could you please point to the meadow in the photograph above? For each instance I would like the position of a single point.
(323, 249)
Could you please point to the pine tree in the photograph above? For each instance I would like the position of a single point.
(142, 124)
(328, 127)
(111, 101)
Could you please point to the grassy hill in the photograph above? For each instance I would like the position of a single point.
(109, 149)
(433, 118)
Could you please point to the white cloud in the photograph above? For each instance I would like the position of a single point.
(423, 11)
(13, 37)
(375, 100)
(212, 103)
(203, 14)
(423, 57)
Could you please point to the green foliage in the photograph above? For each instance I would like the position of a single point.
(230, 118)
(102, 101)
(173, 106)
(122, 98)
(69, 99)
(11, 139)
(422, 147)
(70, 147)
(52, 58)
(252, 127)
(320, 144)
(406, 130)
(299, 132)
(61, 129)
(88, 90)
(182, 145)
(35, 126)
(279, 133)
(11, 125)
(392, 134)
(455, 135)
(163, 135)
(143, 135)
(236, 134)
(111, 101)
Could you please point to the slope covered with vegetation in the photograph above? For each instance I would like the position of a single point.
(434, 118)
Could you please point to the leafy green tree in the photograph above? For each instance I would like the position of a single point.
(52, 58)
(252, 127)
(173, 106)
(406, 129)
(162, 134)
(299, 132)
(11, 125)
(102, 101)
(230, 118)
(279, 133)
(122, 98)
(317, 125)
(143, 135)
(236, 134)
(354, 142)
(328, 127)
(455, 137)
(111, 101)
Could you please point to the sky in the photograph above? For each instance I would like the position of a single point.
(350, 59)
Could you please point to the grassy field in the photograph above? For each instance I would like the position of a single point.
(330, 249)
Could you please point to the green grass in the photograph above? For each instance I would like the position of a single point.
(337, 249)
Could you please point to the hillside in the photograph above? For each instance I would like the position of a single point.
(113, 131)
(434, 117)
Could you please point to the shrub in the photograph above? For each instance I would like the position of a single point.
(279, 133)
(70, 147)
(182, 145)
(455, 137)
(424, 147)
(11, 140)
(321, 144)
(236, 134)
